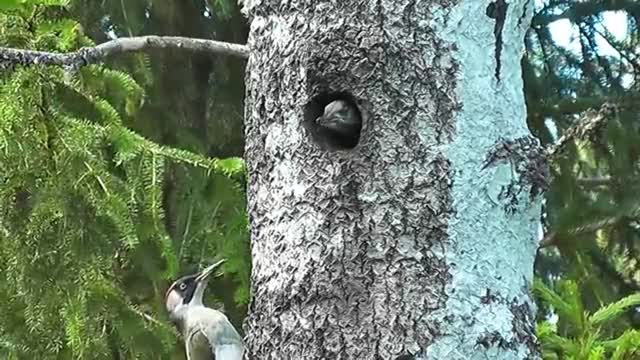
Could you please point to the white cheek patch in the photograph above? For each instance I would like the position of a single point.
(173, 301)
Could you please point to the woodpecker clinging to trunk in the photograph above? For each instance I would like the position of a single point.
(207, 333)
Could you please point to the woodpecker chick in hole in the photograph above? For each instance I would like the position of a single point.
(338, 127)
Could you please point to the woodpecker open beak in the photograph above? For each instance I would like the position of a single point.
(189, 288)
(204, 274)
(201, 282)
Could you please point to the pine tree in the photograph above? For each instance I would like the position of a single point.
(583, 335)
(583, 103)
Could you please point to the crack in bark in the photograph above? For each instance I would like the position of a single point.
(498, 10)
(524, 12)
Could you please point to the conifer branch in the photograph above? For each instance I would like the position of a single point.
(595, 181)
(585, 129)
(552, 238)
(580, 11)
(607, 181)
(10, 57)
(146, 316)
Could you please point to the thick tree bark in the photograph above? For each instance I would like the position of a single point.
(420, 241)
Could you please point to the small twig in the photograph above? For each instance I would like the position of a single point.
(595, 181)
(582, 10)
(585, 128)
(92, 55)
(551, 238)
(148, 317)
(607, 37)
(571, 106)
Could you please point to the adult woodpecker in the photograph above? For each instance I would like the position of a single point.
(207, 333)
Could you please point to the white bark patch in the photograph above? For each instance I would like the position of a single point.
(490, 253)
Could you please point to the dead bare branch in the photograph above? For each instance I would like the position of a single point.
(10, 57)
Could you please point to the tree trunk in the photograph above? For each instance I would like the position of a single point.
(420, 241)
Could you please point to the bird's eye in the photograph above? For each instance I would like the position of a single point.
(183, 286)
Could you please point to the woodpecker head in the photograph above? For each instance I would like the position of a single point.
(188, 290)
(338, 111)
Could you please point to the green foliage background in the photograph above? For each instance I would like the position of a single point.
(111, 185)
(589, 260)
(117, 178)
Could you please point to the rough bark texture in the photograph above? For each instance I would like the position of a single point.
(401, 247)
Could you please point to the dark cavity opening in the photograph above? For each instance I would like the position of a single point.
(405, 357)
(336, 131)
